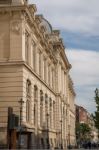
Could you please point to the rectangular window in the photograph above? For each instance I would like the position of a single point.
(34, 55)
(44, 69)
(54, 114)
(40, 64)
(26, 46)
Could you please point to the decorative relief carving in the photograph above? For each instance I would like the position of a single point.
(15, 27)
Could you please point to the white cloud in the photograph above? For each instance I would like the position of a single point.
(85, 74)
(85, 69)
(73, 15)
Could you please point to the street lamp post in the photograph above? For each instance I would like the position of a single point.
(20, 130)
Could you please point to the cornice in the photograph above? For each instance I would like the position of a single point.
(32, 8)
(72, 91)
(71, 85)
(9, 8)
(38, 18)
(56, 32)
(59, 47)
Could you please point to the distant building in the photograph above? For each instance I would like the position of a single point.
(81, 115)
(35, 68)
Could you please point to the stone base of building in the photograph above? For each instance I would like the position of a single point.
(28, 139)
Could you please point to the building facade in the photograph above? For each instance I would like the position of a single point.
(81, 115)
(35, 68)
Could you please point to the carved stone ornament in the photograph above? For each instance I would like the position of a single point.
(15, 27)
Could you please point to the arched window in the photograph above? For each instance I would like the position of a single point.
(28, 88)
(34, 55)
(35, 104)
(41, 108)
(27, 110)
(46, 104)
(46, 109)
(28, 99)
(50, 109)
(40, 64)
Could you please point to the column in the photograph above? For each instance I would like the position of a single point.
(45, 70)
(44, 118)
(29, 52)
(42, 68)
(52, 114)
(32, 103)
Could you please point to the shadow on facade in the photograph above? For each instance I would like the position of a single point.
(36, 140)
(30, 139)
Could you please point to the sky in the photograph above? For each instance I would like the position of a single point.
(78, 21)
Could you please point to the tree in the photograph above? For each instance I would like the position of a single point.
(83, 131)
(96, 114)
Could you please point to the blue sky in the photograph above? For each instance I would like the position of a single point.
(78, 21)
(80, 41)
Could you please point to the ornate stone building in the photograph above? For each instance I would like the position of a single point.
(35, 68)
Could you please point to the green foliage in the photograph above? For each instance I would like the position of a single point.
(96, 114)
(83, 131)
